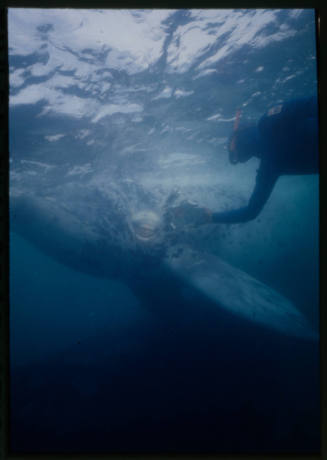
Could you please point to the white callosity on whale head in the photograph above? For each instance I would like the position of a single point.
(146, 226)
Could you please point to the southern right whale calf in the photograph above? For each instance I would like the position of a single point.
(98, 236)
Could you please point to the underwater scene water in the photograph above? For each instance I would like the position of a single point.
(136, 324)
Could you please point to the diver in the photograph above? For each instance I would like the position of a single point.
(285, 139)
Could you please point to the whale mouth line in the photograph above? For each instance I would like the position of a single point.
(145, 233)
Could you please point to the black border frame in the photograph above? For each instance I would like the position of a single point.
(321, 34)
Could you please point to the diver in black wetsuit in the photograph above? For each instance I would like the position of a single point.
(286, 141)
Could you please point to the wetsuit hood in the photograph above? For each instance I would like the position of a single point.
(243, 144)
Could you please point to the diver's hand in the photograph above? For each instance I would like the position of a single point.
(187, 214)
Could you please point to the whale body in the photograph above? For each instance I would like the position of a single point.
(172, 279)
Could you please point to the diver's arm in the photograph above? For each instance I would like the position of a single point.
(265, 182)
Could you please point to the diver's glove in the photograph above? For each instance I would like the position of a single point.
(187, 214)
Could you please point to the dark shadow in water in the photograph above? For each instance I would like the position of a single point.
(187, 387)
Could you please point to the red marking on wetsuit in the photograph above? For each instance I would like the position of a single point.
(237, 120)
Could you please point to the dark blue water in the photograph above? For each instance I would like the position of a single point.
(91, 371)
(108, 354)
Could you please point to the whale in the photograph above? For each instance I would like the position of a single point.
(99, 236)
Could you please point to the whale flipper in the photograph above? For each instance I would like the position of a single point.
(238, 292)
